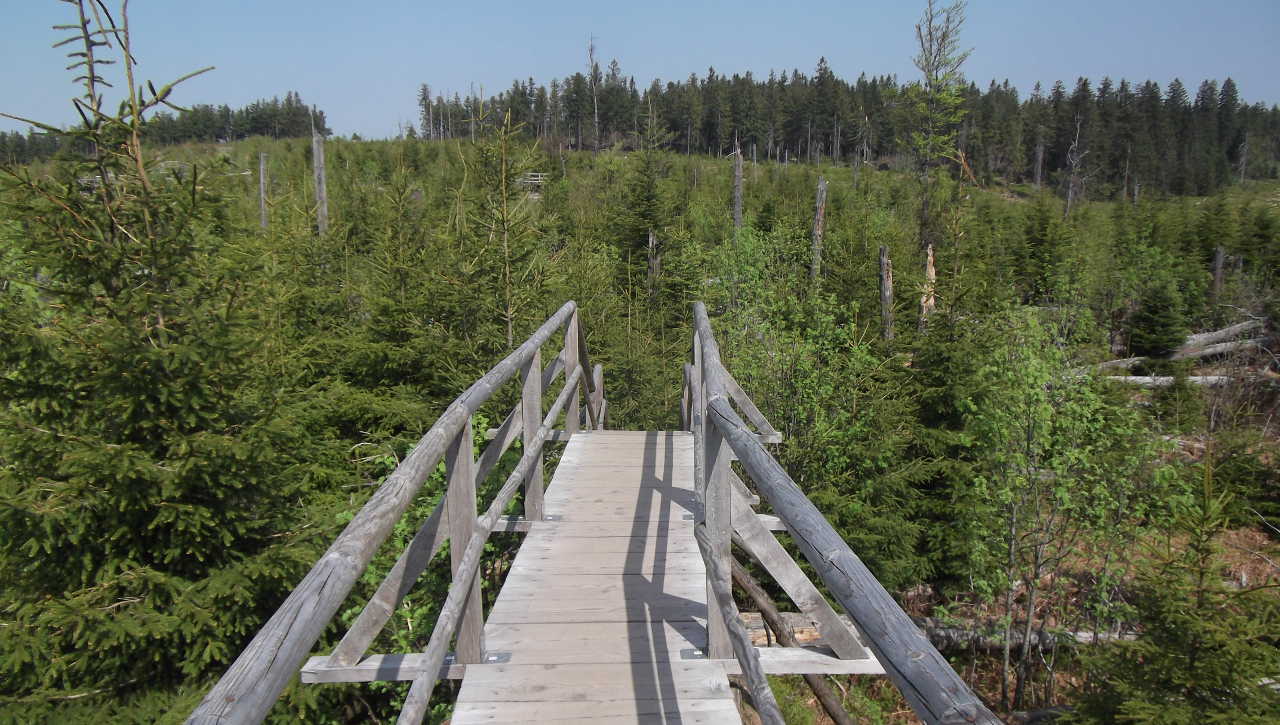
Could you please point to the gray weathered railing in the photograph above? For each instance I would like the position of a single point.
(928, 683)
(255, 680)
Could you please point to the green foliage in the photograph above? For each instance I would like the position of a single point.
(150, 495)
(1203, 648)
(1158, 327)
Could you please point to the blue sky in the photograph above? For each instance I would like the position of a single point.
(363, 65)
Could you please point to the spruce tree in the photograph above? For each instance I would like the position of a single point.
(144, 498)
(1204, 651)
(1158, 326)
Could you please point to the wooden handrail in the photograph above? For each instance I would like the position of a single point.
(254, 681)
(451, 612)
(926, 680)
(424, 546)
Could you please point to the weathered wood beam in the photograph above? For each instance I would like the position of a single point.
(1227, 333)
(254, 681)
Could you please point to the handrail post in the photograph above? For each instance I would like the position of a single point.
(717, 515)
(597, 394)
(461, 512)
(572, 414)
(531, 416)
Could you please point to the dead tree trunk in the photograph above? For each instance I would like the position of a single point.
(262, 190)
(927, 301)
(322, 193)
(819, 223)
(655, 265)
(737, 191)
(886, 294)
(830, 701)
(1219, 264)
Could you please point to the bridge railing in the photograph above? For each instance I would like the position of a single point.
(927, 681)
(255, 680)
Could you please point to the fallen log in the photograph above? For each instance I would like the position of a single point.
(984, 636)
(1227, 333)
(1164, 381)
(1201, 345)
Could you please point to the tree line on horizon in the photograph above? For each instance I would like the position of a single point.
(274, 118)
(1118, 139)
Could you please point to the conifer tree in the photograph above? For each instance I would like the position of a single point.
(144, 498)
(1204, 650)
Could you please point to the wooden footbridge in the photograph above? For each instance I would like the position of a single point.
(618, 606)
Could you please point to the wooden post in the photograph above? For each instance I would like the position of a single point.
(461, 512)
(717, 514)
(886, 294)
(262, 190)
(737, 191)
(531, 414)
(597, 394)
(572, 414)
(819, 222)
(322, 193)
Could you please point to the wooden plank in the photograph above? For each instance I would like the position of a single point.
(395, 586)
(618, 712)
(500, 440)
(601, 642)
(549, 544)
(806, 661)
(652, 527)
(610, 563)
(623, 480)
(571, 363)
(567, 608)
(740, 489)
(531, 410)
(717, 518)
(594, 682)
(376, 668)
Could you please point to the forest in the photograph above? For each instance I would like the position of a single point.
(1027, 437)
(290, 118)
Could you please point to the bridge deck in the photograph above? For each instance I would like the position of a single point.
(603, 615)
